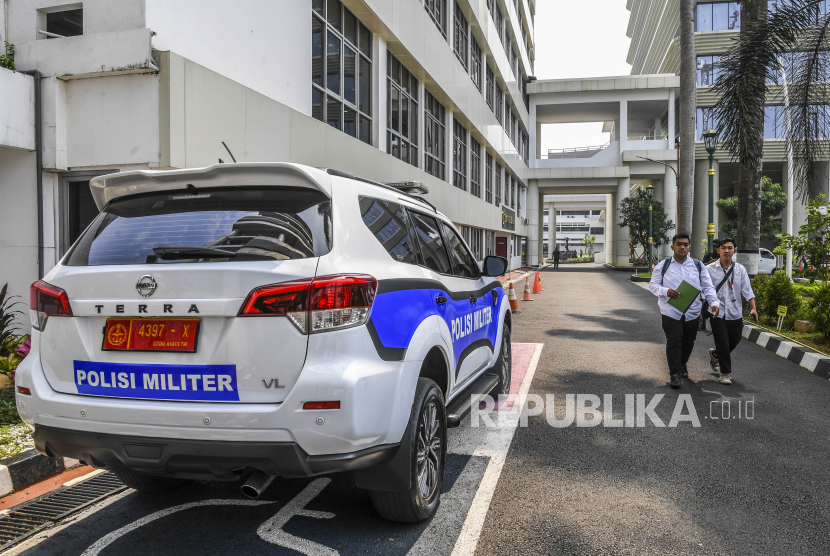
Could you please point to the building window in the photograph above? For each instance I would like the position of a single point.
(459, 155)
(341, 80)
(718, 17)
(475, 63)
(499, 105)
(476, 243)
(597, 231)
(488, 178)
(402, 117)
(438, 12)
(498, 19)
(489, 243)
(461, 36)
(498, 184)
(68, 23)
(489, 89)
(774, 127)
(435, 137)
(705, 121)
(513, 192)
(707, 70)
(475, 167)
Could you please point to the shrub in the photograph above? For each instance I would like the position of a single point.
(820, 311)
(770, 292)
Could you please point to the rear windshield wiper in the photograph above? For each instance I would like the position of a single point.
(173, 252)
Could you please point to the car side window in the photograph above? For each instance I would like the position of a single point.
(767, 255)
(465, 265)
(387, 221)
(431, 243)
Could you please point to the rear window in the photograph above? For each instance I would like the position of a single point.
(208, 225)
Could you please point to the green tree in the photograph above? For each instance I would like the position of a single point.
(813, 240)
(634, 215)
(773, 201)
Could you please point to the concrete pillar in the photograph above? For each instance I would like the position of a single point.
(622, 240)
(623, 125)
(540, 211)
(610, 225)
(671, 119)
(670, 204)
(535, 139)
(700, 219)
(656, 128)
(534, 223)
(551, 228)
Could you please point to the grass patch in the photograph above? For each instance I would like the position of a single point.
(8, 408)
(15, 436)
(645, 275)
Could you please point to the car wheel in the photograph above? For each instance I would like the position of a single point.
(504, 365)
(428, 447)
(148, 483)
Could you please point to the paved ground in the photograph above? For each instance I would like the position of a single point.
(735, 486)
(730, 486)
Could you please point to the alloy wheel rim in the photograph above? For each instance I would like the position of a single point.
(429, 448)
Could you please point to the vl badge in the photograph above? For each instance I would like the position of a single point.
(146, 285)
(275, 382)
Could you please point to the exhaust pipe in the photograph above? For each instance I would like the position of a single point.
(256, 484)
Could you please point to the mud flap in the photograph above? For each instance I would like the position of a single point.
(395, 475)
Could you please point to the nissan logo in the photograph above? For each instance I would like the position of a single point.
(146, 285)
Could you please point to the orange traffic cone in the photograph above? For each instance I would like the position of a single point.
(537, 284)
(527, 296)
(511, 297)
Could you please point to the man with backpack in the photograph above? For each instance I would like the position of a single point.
(732, 281)
(681, 328)
(556, 256)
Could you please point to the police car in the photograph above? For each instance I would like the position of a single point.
(262, 320)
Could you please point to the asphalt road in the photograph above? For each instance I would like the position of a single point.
(729, 486)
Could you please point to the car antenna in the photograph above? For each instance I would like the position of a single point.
(229, 152)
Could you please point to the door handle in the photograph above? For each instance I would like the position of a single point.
(441, 300)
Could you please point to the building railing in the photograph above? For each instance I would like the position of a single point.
(577, 152)
(647, 137)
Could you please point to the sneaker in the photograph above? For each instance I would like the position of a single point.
(675, 381)
(713, 360)
(725, 379)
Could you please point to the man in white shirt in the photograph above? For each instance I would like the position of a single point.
(681, 328)
(731, 282)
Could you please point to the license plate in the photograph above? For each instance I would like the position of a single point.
(151, 335)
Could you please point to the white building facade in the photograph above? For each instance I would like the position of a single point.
(391, 90)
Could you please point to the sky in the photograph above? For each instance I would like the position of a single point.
(579, 38)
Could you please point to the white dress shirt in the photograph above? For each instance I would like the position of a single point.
(676, 273)
(730, 298)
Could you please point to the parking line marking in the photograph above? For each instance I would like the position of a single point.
(470, 533)
(110, 538)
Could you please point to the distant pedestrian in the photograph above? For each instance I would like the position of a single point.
(731, 282)
(556, 256)
(708, 258)
(681, 328)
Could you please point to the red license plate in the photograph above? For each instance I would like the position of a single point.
(151, 335)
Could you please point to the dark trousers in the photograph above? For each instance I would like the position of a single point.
(727, 335)
(555, 264)
(704, 312)
(680, 341)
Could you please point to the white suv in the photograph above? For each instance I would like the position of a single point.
(267, 318)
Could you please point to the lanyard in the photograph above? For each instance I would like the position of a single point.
(729, 277)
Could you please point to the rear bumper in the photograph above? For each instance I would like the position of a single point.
(200, 459)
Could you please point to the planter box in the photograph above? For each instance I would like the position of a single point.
(804, 326)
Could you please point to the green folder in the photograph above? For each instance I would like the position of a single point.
(688, 294)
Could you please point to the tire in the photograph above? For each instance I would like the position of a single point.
(504, 365)
(148, 483)
(427, 426)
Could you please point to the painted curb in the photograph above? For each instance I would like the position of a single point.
(635, 269)
(635, 278)
(27, 468)
(815, 362)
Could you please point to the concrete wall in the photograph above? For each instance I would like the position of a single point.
(17, 110)
(18, 224)
(261, 44)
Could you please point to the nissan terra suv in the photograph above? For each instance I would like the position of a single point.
(262, 320)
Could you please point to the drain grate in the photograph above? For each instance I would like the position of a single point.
(42, 512)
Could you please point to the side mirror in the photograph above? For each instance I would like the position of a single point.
(494, 266)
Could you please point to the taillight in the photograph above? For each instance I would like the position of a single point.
(341, 301)
(46, 301)
(318, 305)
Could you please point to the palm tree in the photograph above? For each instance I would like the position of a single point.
(748, 70)
(687, 119)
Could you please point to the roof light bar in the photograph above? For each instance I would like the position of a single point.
(411, 187)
